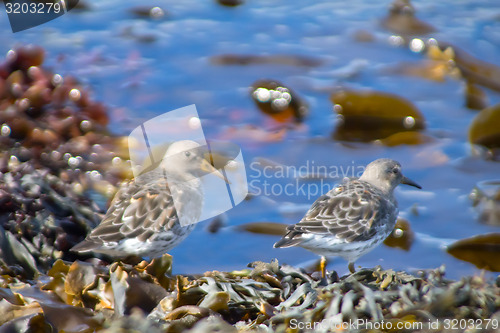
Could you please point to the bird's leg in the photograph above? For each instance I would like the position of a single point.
(351, 267)
(322, 266)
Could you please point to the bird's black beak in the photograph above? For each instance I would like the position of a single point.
(410, 182)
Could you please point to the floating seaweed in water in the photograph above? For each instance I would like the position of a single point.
(279, 59)
(475, 97)
(402, 21)
(480, 250)
(407, 138)
(438, 65)
(231, 3)
(265, 228)
(148, 12)
(447, 60)
(367, 116)
(484, 129)
(278, 101)
(474, 70)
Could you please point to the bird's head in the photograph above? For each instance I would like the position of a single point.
(386, 174)
(185, 160)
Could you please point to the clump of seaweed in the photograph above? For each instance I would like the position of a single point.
(56, 155)
(268, 296)
(366, 116)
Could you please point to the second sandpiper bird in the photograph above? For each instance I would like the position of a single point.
(353, 218)
(143, 219)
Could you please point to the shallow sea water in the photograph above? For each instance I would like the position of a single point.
(142, 68)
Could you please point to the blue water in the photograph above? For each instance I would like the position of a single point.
(103, 47)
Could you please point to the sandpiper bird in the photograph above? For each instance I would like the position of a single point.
(352, 218)
(142, 219)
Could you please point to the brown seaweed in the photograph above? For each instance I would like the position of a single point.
(367, 115)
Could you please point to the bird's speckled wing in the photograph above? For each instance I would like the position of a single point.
(352, 211)
(138, 210)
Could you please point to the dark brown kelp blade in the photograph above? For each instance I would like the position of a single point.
(148, 12)
(485, 128)
(482, 250)
(14, 252)
(264, 228)
(229, 59)
(370, 115)
(66, 318)
(474, 70)
(407, 138)
(80, 276)
(475, 97)
(230, 3)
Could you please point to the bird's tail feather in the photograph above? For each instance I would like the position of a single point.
(84, 246)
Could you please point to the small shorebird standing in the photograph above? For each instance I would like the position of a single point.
(352, 218)
(142, 219)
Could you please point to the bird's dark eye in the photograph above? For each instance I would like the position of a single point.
(395, 171)
(187, 153)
